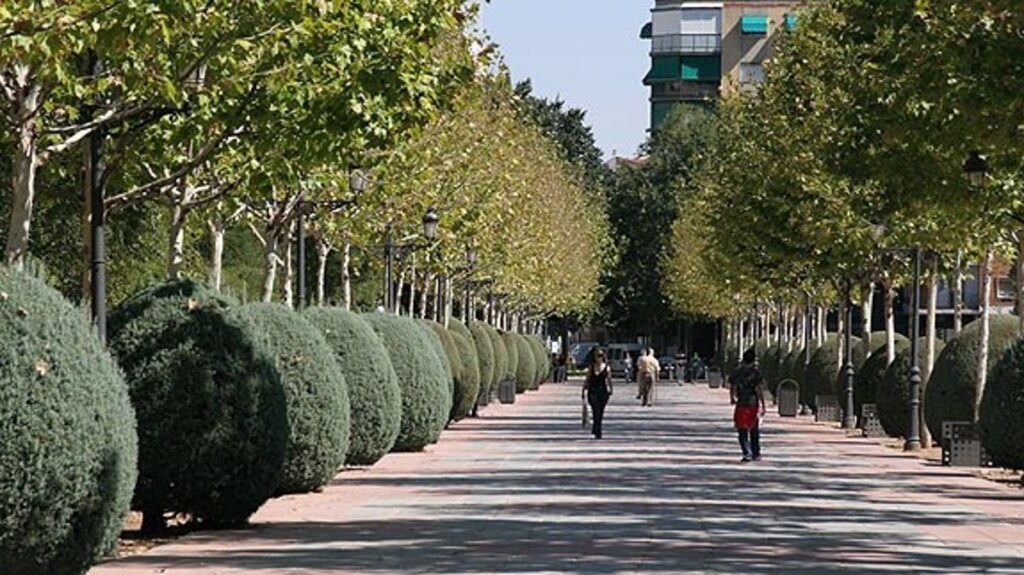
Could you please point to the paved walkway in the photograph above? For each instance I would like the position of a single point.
(524, 490)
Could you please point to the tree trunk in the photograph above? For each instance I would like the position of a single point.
(270, 259)
(398, 293)
(346, 273)
(1018, 269)
(425, 295)
(287, 284)
(822, 326)
(323, 253)
(890, 321)
(412, 290)
(23, 184)
(843, 317)
(986, 313)
(176, 237)
(867, 303)
(449, 301)
(930, 339)
(958, 294)
(216, 226)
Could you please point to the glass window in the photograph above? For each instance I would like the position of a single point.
(1005, 289)
(751, 73)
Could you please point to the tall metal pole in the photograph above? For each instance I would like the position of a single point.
(389, 288)
(913, 442)
(301, 229)
(95, 180)
(850, 420)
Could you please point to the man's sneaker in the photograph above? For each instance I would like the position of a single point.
(745, 460)
(757, 458)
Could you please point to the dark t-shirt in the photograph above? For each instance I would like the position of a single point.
(745, 381)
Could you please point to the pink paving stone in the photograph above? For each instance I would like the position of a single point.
(524, 490)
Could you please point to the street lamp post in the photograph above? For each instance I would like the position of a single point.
(913, 442)
(850, 420)
(468, 301)
(430, 224)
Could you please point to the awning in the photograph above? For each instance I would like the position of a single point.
(647, 32)
(754, 25)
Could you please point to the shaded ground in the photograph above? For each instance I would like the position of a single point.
(525, 490)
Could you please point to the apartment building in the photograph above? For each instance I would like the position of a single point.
(703, 50)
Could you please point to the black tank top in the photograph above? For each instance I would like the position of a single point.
(597, 383)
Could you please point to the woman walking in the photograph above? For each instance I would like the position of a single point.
(597, 389)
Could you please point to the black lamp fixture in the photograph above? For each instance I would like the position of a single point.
(976, 169)
(430, 223)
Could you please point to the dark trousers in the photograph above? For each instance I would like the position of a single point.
(598, 402)
(750, 442)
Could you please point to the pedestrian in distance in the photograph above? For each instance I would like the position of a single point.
(647, 369)
(627, 363)
(747, 394)
(598, 389)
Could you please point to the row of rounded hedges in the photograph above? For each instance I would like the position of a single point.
(819, 376)
(951, 390)
(500, 355)
(68, 443)
(425, 384)
(374, 393)
(542, 359)
(209, 402)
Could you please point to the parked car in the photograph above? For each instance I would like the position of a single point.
(617, 353)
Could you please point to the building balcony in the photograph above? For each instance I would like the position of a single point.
(687, 44)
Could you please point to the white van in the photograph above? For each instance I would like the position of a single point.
(617, 353)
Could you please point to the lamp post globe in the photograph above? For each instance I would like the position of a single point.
(976, 169)
(430, 223)
(357, 181)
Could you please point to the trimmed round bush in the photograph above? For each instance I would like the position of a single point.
(858, 356)
(374, 394)
(68, 445)
(950, 393)
(771, 366)
(501, 355)
(893, 392)
(871, 374)
(443, 352)
(1001, 418)
(467, 388)
(484, 356)
(792, 365)
(526, 369)
(210, 405)
(316, 397)
(819, 376)
(426, 391)
(512, 351)
(451, 353)
(540, 356)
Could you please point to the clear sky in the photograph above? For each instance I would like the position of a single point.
(588, 52)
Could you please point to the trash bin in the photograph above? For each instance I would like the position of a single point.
(507, 392)
(789, 398)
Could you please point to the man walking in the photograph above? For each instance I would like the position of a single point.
(747, 394)
(647, 369)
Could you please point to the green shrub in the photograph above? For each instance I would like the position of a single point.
(315, 394)
(540, 356)
(871, 374)
(893, 392)
(501, 355)
(209, 401)
(467, 389)
(858, 357)
(460, 328)
(771, 366)
(374, 393)
(426, 396)
(443, 352)
(819, 376)
(68, 445)
(1002, 410)
(950, 393)
(484, 356)
(451, 355)
(512, 351)
(526, 369)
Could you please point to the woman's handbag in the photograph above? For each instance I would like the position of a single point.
(586, 415)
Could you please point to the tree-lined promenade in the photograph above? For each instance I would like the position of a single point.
(192, 163)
